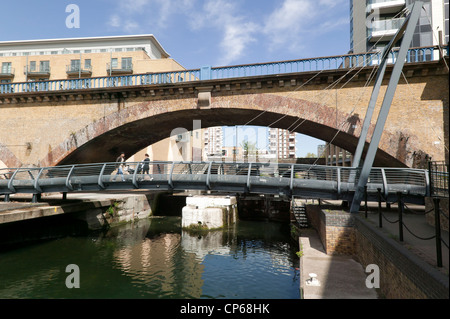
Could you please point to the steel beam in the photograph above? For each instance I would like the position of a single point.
(408, 27)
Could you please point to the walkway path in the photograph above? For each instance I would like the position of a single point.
(332, 272)
(417, 224)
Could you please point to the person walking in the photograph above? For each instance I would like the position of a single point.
(120, 166)
(146, 166)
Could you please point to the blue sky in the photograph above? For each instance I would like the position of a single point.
(197, 32)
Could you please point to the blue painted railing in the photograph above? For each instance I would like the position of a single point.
(415, 55)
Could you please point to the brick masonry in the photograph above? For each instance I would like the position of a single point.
(402, 274)
(45, 129)
(336, 229)
(430, 218)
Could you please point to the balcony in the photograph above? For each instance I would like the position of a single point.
(386, 6)
(119, 70)
(42, 71)
(384, 30)
(6, 73)
(78, 70)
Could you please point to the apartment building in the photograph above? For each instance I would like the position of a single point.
(282, 143)
(213, 141)
(373, 23)
(51, 59)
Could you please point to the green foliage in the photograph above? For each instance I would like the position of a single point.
(112, 209)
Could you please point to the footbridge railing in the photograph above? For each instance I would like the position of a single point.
(301, 181)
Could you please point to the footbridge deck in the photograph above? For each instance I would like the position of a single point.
(301, 181)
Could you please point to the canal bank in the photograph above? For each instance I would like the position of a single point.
(344, 250)
(22, 221)
(96, 209)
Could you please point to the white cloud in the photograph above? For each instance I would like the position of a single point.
(289, 26)
(114, 21)
(293, 24)
(236, 32)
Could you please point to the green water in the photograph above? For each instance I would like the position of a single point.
(154, 258)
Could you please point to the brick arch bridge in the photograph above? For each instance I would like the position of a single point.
(94, 125)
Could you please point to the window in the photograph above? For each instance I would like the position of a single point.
(74, 65)
(44, 66)
(114, 63)
(32, 66)
(6, 68)
(127, 63)
(87, 64)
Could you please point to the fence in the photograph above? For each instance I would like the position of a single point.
(402, 226)
(415, 55)
(439, 172)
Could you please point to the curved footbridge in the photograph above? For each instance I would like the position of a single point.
(301, 181)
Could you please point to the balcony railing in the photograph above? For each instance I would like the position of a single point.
(347, 61)
(385, 1)
(383, 25)
(385, 29)
(41, 70)
(385, 6)
(7, 72)
(78, 69)
(122, 69)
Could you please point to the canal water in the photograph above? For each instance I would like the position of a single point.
(155, 258)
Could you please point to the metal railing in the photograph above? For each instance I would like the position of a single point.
(401, 208)
(70, 68)
(439, 179)
(416, 55)
(384, 25)
(267, 178)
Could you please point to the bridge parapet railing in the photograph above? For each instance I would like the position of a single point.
(101, 82)
(415, 55)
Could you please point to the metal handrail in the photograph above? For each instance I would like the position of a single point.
(245, 177)
(415, 55)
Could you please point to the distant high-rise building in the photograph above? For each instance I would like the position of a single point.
(373, 23)
(282, 143)
(213, 141)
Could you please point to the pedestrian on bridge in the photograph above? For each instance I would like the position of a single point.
(120, 160)
(146, 166)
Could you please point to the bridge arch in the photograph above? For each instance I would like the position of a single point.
(141, 122)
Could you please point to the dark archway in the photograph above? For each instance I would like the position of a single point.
(134, 136)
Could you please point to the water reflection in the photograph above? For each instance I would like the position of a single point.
(154, 258)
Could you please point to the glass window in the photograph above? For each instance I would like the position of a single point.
(87, 63)
(6, 67)
(114, 62)
(127, 63)
(74, 65)
(32, 65)
(44, 66)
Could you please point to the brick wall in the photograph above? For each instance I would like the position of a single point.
(443, 205)
(403, 275)
(335, 229)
